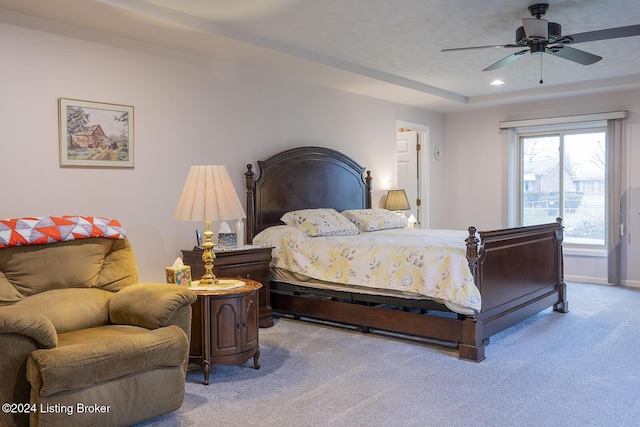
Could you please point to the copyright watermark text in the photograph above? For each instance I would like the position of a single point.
(43, 408)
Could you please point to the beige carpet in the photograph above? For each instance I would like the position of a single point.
(575, 369)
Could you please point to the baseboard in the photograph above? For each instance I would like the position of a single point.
(586, 279)
(600, 281)
(631, 283)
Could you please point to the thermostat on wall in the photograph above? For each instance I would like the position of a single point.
(437, 153)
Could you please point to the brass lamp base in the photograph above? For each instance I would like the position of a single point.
(208, 256)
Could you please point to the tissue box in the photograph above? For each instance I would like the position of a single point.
(180, 276)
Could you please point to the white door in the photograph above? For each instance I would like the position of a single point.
(407, 170)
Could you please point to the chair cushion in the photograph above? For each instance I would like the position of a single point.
(8, 294)
(97, 262)
(71, 309)
(79, 366)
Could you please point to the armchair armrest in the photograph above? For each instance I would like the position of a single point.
(149, 305)
(28, 322)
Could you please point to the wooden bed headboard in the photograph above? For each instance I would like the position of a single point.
(303, 178)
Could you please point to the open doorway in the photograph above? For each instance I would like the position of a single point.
(412, 141)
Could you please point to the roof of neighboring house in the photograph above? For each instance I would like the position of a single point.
(589, 172)
(540, 166)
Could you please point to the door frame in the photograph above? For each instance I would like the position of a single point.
(423, 165)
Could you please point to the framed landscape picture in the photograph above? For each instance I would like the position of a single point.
(95, 134)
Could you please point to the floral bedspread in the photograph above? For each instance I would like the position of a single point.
(430, 263)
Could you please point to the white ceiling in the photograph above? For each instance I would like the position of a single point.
(389, 49)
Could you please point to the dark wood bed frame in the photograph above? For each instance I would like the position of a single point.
(519, 271)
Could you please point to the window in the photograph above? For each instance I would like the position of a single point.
(590, 182)
(562, 174)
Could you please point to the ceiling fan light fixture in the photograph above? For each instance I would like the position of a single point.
(536, 29)
(497, 83)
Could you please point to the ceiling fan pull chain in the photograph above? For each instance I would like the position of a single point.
(541, 69)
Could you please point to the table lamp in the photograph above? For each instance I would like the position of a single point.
(397, 201)
(208, 195)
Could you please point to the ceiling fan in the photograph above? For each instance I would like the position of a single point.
(540, 36)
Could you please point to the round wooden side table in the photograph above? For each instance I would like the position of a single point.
(224, 324)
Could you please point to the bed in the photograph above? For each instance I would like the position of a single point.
(517, 271)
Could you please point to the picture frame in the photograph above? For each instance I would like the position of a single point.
(95, 134)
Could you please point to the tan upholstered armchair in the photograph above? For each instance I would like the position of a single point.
(82, 343)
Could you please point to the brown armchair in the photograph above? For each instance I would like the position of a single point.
(82, 343)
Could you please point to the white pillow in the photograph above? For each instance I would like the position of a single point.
(320, 222)
(375, 219)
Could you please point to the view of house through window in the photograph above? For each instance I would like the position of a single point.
(574, 191)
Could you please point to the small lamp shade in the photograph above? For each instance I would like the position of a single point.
(208, 195)
(397, 201)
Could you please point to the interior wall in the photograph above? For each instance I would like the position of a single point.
(476, 173)
(187, 110)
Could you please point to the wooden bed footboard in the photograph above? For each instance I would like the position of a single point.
(519, 271)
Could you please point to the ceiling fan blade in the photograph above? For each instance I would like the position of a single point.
(575, 55)
(610, 33)
(497, 46)
(506, 60)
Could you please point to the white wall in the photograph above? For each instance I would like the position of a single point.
(476, 160)
(188, 111)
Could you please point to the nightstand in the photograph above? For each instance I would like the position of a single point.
(250, 262)
(224, 326)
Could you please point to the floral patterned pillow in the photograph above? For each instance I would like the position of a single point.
(375, 219)
(320, 222)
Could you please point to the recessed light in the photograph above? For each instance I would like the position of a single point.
(497, 83)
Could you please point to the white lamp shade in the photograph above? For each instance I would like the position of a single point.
(208, 195)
